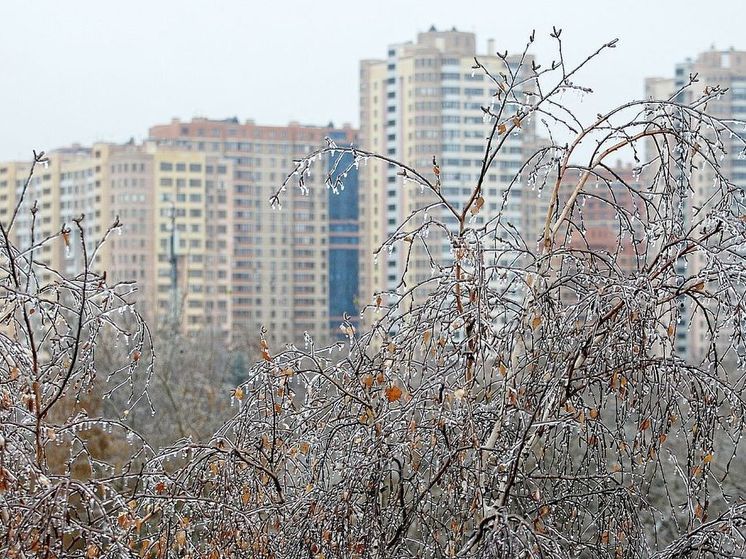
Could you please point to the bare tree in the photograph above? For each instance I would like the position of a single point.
(527, 400)
(57, 496)
(188, 390)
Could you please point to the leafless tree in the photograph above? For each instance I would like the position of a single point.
(527, 400)
(57, 496)
(188, 390)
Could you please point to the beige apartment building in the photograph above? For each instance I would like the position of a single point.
(42, 188)
(279, 274)
(726, 68)
(424, 100)
(198, 234)
(158, 194)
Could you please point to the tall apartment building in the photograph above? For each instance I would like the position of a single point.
(423, 101)
(158, 194)
(344, 240)
(726, 68)
(44, 188)
(199, 236)
(280, 259)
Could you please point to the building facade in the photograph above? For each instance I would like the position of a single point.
(727, 69)
(280, 260)
(424, 101)
(158, 195)
(344, 240)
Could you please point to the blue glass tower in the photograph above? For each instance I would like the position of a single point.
(344, 242)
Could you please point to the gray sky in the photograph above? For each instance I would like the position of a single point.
(86, 70)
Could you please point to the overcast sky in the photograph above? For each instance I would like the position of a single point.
(80, 71)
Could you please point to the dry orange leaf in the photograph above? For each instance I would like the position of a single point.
(367, 380)
(393, 393)
(645, 424)
(238, 393)
(708, 457)
(699, 512)
(478, 203)
(265, 350)
(535, 322)
(501, 129)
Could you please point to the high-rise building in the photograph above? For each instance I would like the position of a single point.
(199, 236)
(424, 101)
(9, 176)
(727, 69)
(280, 259)
(192, 238)
(174, 210)
(344, 239)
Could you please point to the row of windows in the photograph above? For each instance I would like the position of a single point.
(440, 76)
(181, 167)
(180, 197)
(168, 181)
(435, 105)
(128, 167)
